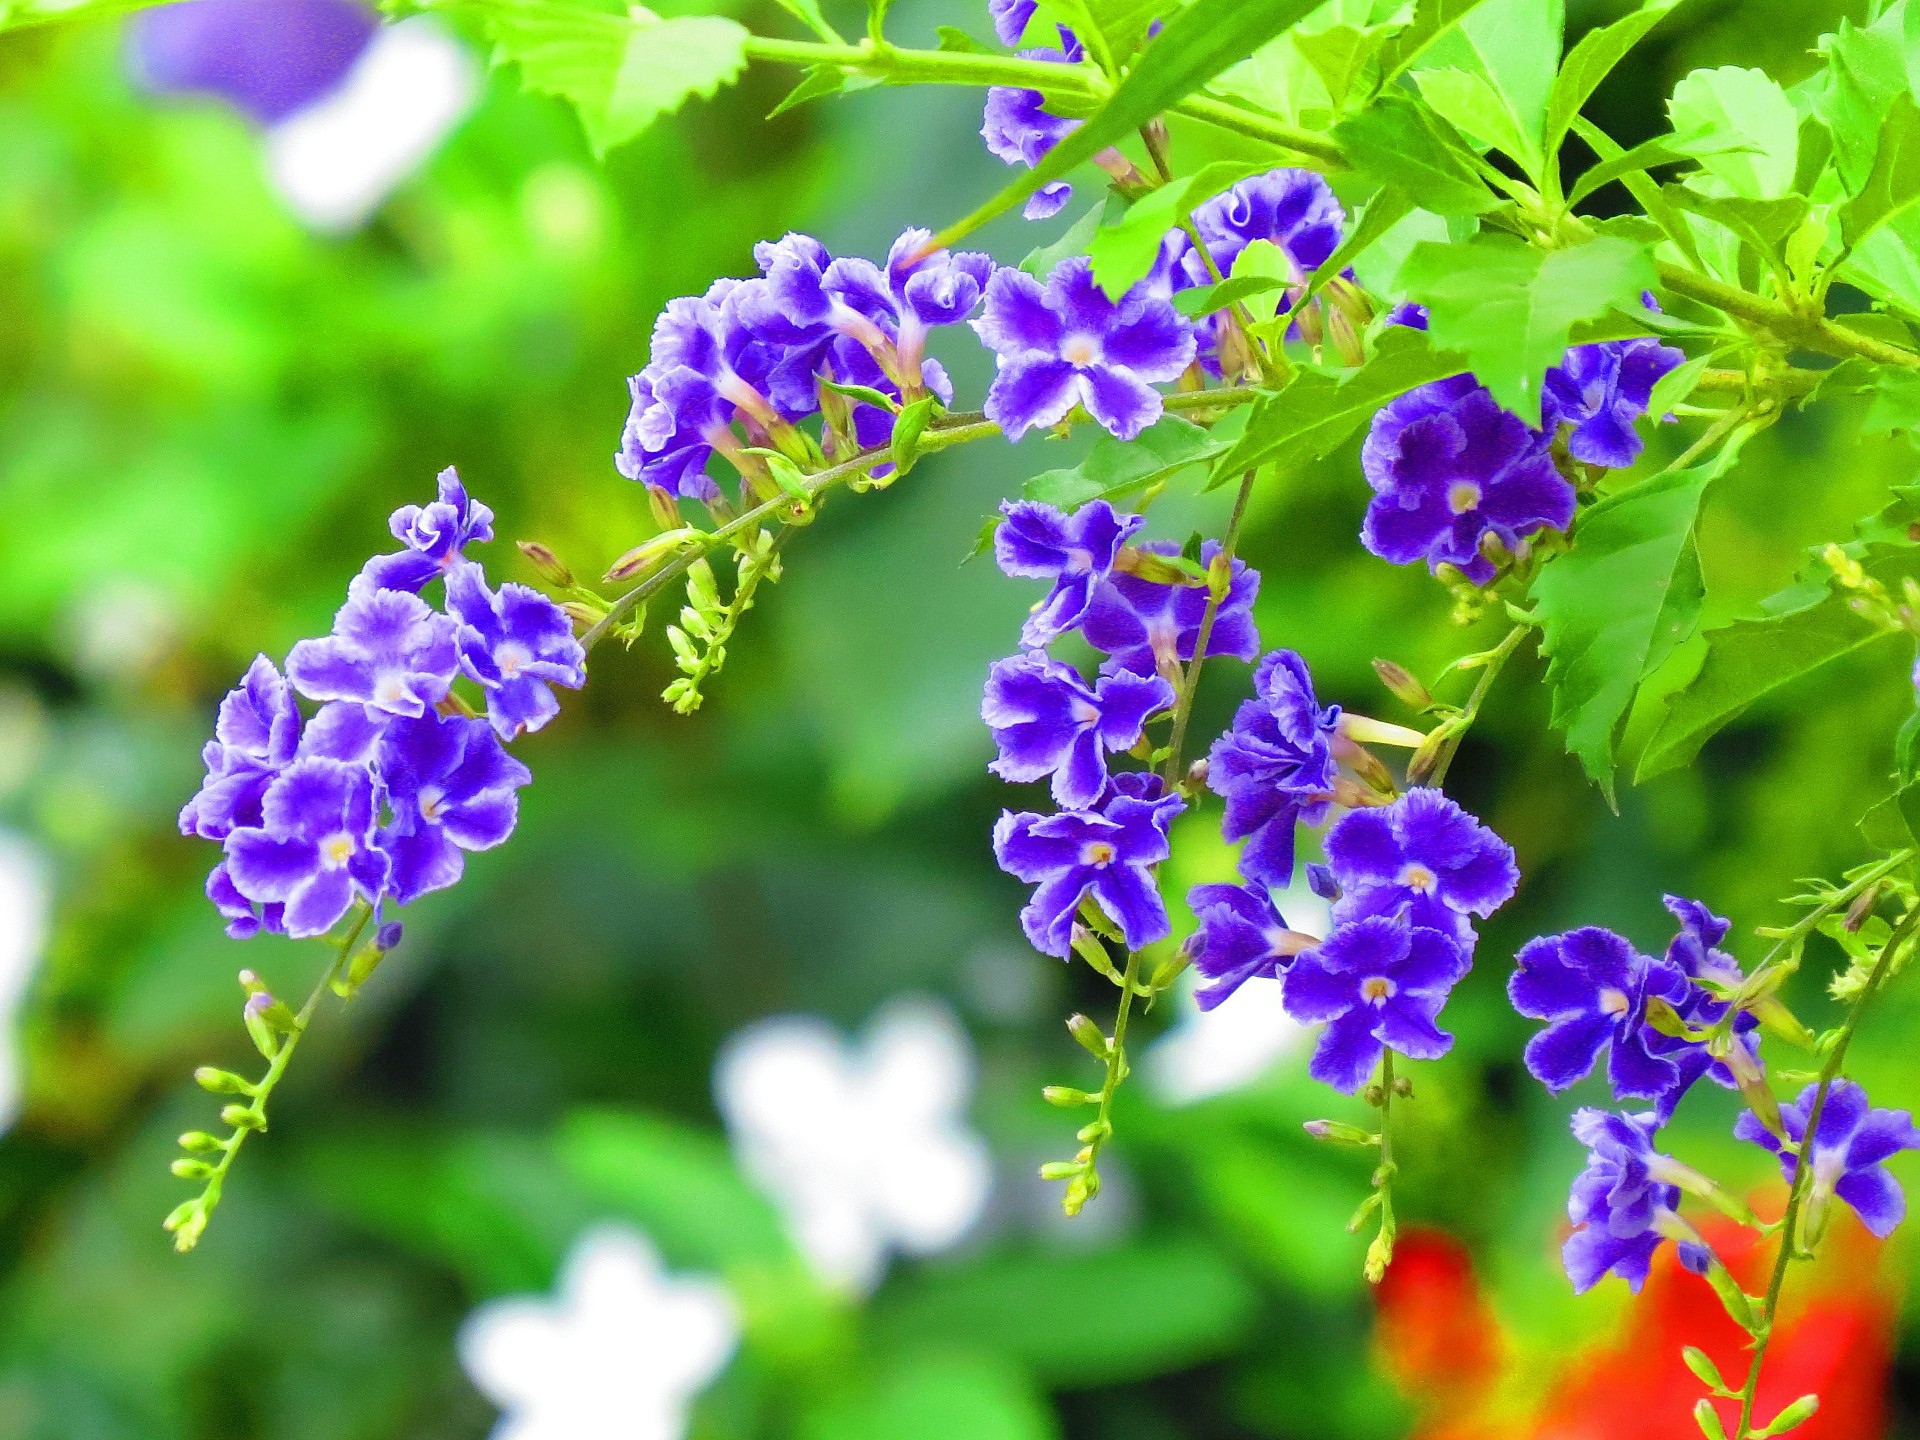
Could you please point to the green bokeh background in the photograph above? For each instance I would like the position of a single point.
(205, 416)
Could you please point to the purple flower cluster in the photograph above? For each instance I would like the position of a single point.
(379, 794)
(1048, 721)
(1407, 880)
(1597, 993)
(1454, 474)
(737, 368)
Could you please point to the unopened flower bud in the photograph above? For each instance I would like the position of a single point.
(1126, 175)
(1066, 1096)
(240, 1117)
(1427, 758)
(1794, 1415)
(252, 983)
(547, 565)
(1403, 1087)
(1402, 684)
(1862, 907)
(1339, 1132)
(1320, 880)
(666, 509)
(221, 1082)
(191, 1169)
(1091, 1037)
(648, 553)
(1197, 775)
(1374, 1094)
(1707, 1417)
(1082, 1188)
(581, 614)
(198, 1140)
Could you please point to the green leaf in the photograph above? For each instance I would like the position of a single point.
(1205, 299)
(1115, 468)
(1474, 106)
(1753, 657)
(1674, 387)
(622, 72)
(904, 448)
(1116, 26)
(1741, 126)
(1309, 418)
(1341, 54)
(1514, 45)
(1433, 20)
(1591, 61)
(1510, 308)
(1199, 42)
(1401, 142)
(807, 12)
(1893, 185)
(1615, 605)
(818, 82)
(1895, 821)
(956, 41)
(1763, 225)
(1638, 160)
(1866, 70)
(1124, 250)
(1076, 239)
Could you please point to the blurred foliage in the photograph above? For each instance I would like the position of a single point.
(205, 416)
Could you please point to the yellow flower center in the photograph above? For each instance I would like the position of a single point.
(1417, 877)
(1462, 496)
(512, 658)
(336, 851)
(1614, 1002)
(1097, 853)
(1080, 349)
(1377, 989)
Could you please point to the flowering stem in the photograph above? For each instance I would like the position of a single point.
(189, 1221)
(955, 429)
(1216, 592)
(1380, 1252)
(1457, 727)
(1802, 1171)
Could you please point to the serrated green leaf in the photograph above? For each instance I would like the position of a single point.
(807, 12)
(1341, 54)
(1892, 187)
(1741, 126)
(1475, 107)
(622, 72)
(1510, 309)
(1124, 250)
(1615, 605)
(1200, 41)
(1753, 657)
(1514, 45)
(1865, 71)
(1591, 61)
(1433, 20)
(1763, 225)
(1309, 418)
(1401, 142)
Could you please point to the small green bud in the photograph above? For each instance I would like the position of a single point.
(1338, 1132)
(1094, 1130)
(242, 1117)
(1082, 1188)
(1427, 758)
(191, 1169)
(1402, 684)
(648, 553)
(1703, 1368)
(180, 1214)
(1708, 1419)
(1403, 1087)
(666, 509)
(199, 1140)
(1367, 1207)
(252, 983)
(1091, 1037)
(547, 565)
(1066, 1097)
(221, 1082)
(1059, 1170)
(584, 615)
(253, 1016)
(1796, 1414)
(1379, 1255)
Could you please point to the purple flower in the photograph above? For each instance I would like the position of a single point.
(244, 918)
(929, 287)
(1016, 125)
(450, 786)
(435, 536)
(1624, 1203)
(517, 645)
(1850, 1149)
(1600, 390)
(388, 649)
(1275, 767)
(1378, 984)
(1106, 854)
(266, 58)
(1077, 552)
(1450, 468)
(807, 297)
(1010, 19)
(313, 851)
(1694, 953)
(1294, 209)
(1066, 343)
(1422, 859)
(1151, 628)
(254, 739)
(676, 420)
(1592, 987)
(1048, 721)
(1241, 938)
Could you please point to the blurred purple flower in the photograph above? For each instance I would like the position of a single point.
(1017, 127)
(1850, 1149)
(266, 58)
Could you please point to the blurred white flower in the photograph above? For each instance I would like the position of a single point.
(864, 1147)
(1211, 1052)
(24, 907)
(335, 160)
(618, 1354)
